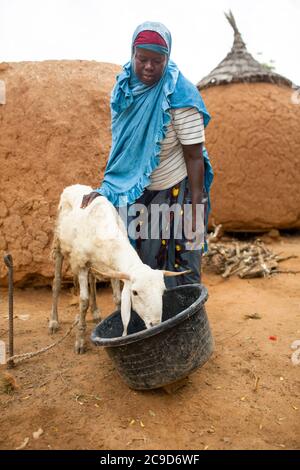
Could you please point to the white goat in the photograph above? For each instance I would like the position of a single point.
(95, 237)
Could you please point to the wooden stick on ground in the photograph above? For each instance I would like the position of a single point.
(247, 260)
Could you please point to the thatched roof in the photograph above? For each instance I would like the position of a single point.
(239, 66)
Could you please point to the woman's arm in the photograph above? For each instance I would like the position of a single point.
(195, 170)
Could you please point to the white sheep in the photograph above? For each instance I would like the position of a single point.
(95, 238)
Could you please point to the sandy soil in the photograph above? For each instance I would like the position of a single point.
(245, 397)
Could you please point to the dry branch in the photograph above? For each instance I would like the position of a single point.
(247, 260)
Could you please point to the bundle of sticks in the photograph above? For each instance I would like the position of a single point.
(247, 260)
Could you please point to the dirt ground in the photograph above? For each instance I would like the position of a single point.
(247, 396)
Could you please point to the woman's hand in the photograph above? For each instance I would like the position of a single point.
(88, 198)
(195, 169)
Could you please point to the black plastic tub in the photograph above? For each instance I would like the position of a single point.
(154, 357)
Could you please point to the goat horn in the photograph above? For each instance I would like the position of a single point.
(173, 273)
(112, 274)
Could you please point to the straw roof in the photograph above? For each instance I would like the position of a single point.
(239, 66)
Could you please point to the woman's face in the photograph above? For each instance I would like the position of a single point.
(149, 65)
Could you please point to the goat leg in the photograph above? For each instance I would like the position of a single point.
(84, 305)
(53, 322)
(93, 298)
(116, 288)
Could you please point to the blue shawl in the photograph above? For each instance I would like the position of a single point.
(140, 115)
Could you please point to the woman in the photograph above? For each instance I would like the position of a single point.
(157, 158)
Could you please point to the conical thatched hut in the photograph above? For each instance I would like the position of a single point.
(254, 143)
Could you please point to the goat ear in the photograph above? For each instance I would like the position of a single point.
(112, 274)
(125, 306)
(175, 273)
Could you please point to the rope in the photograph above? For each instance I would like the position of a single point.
(23, 357)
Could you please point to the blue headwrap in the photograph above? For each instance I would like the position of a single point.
(140, 115)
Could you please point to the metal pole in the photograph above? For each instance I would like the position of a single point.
(9, 263)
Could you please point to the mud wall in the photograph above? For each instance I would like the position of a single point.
(254, 144)
(55, 131)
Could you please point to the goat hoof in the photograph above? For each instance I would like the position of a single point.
(96, 315)
(53, 326)
(80, 347)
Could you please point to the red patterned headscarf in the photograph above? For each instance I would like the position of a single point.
(151, 40)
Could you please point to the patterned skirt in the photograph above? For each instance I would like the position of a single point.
(160, 240)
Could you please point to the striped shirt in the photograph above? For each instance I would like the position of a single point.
(186, 128)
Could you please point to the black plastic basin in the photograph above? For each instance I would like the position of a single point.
(154, 357)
